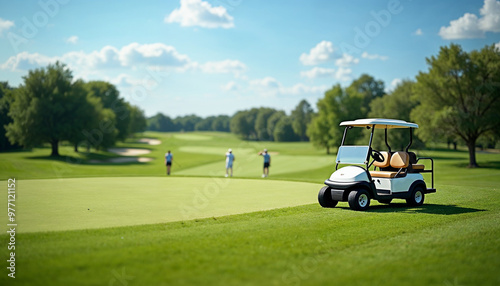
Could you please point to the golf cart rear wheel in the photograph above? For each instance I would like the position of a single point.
(325, 198)
(416, 197)
(359, 199)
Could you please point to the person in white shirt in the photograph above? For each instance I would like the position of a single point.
(168, 161)
(229, 162)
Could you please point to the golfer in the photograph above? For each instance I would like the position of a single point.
(267, 162)
(229, 162)
(168, 161)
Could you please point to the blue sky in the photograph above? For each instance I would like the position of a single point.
(216, 57)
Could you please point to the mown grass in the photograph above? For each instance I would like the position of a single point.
(453, 239)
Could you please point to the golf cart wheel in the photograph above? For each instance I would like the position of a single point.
(325, 198)
(416, 197)
(386, 201)
(359, 199)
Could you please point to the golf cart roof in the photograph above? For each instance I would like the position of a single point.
(379, 123)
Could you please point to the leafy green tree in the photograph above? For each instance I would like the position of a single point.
(272, 121)
(301, 117)
(138, 122)
(221, 123)
(396, 105)
(5, 102)
(261, 123)
(205, 124)
(84, 110)
(366, 88)
(110, 98)
(186, 123)
(460, 96)
(243, 123)
(324, 129)
(42, 108)
(161, 122)
(283, 132)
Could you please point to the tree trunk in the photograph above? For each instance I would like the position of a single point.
(327, 149)
(472, 154)
(55, 148)
(76, 147)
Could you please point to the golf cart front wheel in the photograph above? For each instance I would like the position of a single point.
(359, 200)
(416, 197)
(325, 198)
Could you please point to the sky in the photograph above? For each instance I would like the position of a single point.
(214, 57)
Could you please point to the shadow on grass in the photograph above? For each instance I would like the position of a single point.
(482, 165)
(426, 208)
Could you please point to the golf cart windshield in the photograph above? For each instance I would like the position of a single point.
(352, 154)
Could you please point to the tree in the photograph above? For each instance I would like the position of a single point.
(160, 122)
(138, 122)
(367, 89)
(301, 117)
(261, 123)
(205, 124)
(272, 121)
(221, 123)
(460, 96)
(110, 98)
(5, 102)
(186, 123)
(243, 123)
(396, 105)
(84, 109)
(323, 129)
(283, 132)
(41, 108)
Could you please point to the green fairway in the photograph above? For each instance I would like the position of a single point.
(81, 223)
(69, 204)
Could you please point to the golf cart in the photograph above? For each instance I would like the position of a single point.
(399, 174)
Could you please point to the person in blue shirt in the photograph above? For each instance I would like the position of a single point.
(267, 162)
(229, 162)
(168, 161)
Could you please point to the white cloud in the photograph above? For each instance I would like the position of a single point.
(300, 89)
(366, 55)
(5, 25)
(227, 66)
(269, 86)
(343, 74)
(230, 86)
(157, 54)
(346, 60)
(418, 32)
(466, 27)
(132, 55)
(497, 45)
(470, 26)
(490, 21)
(317, 72)
(72, 40)
(394, 83)
(200, 13)
(26, 61)
(267, 82)
(321, 53)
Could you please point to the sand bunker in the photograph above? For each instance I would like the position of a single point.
(129, 151)
(149, 141)
(126, 152)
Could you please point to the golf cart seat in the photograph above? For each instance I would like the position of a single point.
(387, 160)
(400, 161)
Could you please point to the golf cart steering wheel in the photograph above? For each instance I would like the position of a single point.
(377, 156)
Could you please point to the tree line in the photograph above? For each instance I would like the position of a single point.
(50, 107)
(456, 100)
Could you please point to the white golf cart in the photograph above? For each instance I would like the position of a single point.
(399, 174)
